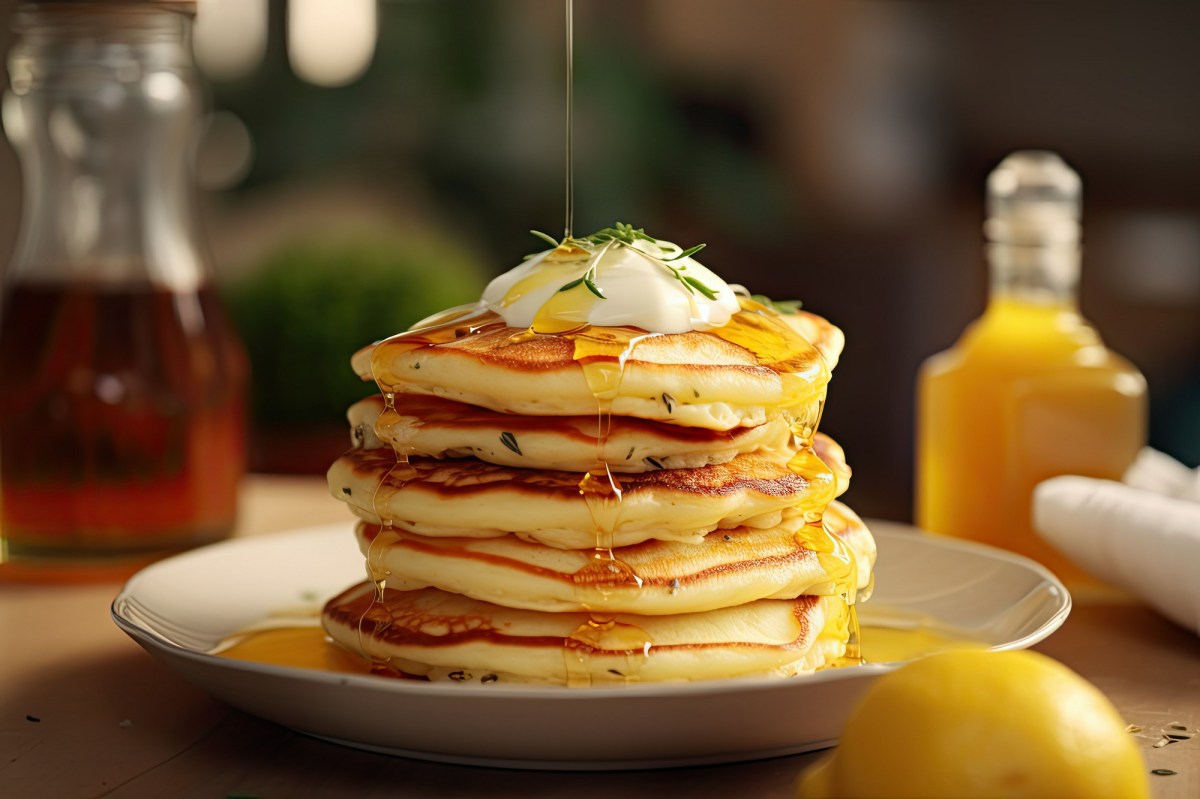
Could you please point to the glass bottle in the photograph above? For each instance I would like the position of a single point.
(122, 385)
(1029, 391)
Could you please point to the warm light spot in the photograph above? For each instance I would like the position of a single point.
(14, 119)
(230, 37)
(226, 152)
(165, 89)
(331, 42)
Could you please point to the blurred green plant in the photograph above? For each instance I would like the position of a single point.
(316, 300)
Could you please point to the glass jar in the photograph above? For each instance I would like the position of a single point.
(122, 384)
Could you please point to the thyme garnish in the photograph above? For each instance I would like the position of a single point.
(545, 237)
(779, 306)
(629, 236)
(654, 462)
(510, 441)
(692, 282)
(588, 280)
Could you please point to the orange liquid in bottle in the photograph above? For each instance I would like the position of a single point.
(121, 420)
(1029, 392)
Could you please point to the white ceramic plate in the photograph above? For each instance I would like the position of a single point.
(179, 608)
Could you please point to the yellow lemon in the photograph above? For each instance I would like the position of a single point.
(981, 724)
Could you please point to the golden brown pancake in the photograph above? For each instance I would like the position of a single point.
(445, 636)
(727, 568)
(470, 498)
(424, 425)
(438, 428)
(739, 375)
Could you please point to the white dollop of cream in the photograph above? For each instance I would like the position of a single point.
(640, 290)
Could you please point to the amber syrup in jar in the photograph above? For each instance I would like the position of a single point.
(121, 419)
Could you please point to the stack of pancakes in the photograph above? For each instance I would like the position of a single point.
(599, 505)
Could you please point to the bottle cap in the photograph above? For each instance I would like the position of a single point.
(1033, 198)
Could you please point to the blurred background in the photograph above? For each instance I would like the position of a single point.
(363, 169)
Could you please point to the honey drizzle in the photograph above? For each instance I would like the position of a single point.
(602, 355)
(600, 633)
(569, 19)
(445, 327)
(773, 342)
(832, 553)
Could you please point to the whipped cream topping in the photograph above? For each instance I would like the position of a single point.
(560, 289)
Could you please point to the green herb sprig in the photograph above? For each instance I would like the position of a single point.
(589, 282)
(509, 440)
(628, 236)
(780, 306)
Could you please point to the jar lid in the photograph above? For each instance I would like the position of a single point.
(1033, 198)
(182, 6)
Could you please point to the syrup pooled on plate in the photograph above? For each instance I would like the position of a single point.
(303, 644)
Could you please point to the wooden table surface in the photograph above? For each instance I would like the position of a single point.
(85, 712)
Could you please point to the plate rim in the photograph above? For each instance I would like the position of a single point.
(249, 686)
(524, 692)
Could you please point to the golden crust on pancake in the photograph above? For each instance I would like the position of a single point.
(820, 332)
(471, 498)
(727, 568)
(438, 428)
(694, 379)
(434, 427)
(441, 635)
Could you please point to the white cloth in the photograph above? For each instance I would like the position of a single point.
(1142, 534)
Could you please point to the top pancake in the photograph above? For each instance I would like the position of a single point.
(740, 375)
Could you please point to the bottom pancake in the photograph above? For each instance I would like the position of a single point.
(443, 636)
